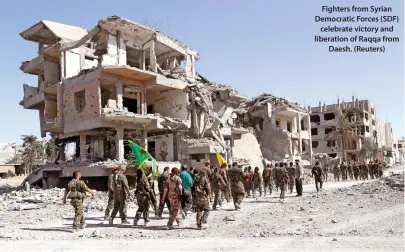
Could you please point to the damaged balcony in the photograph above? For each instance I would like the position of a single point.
(116, 115)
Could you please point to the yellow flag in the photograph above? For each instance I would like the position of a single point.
(221, 160)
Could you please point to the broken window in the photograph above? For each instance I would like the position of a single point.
(399, 146)
(329, 130)
(329, 116)
(150, 109)
(302, 125)
(80, 100)
(303, 144)
(372, 111)
(332, 155)
(198, 157)
(131, 104)
(152, 148)
(366, 116)
(277, 123)
(331, 143)
(367, 129)
(315, 119)
(315, 144)
(314, 131)
(373, 122)
(289, 129)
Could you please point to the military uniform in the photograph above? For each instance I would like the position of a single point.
(336, 172)
(147, 169)
(364, 171)
(237, 188)
(143, 195)
(282, 179)
(162, 179)
(110, 204)
(257, 182)
(343, 170)
(247, 178)
(121, 192)
(325, 172)
(173, 189)
(225, 190)
(267, 180)
(76, 192)
(201, 191)
(218, 183)
(356, 171)
(317, 173)
(350, 170)
(291, 173)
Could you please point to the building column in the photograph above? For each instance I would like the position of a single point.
(119, 92)
(42, 120)
(232, 143)
(299, 133)
(120, 144)
(152, 57)
(144, 140)
(83, 147)
(310, 139)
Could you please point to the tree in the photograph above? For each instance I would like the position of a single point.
(343, 133)
(369, 148)
(33, 153)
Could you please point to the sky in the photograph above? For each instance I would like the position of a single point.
(256, 46)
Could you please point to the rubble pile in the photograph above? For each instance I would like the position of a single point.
(38, 198)
(395, 181)
(261, 100)
(375, 187)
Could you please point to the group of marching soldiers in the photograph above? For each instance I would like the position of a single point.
(355, 170)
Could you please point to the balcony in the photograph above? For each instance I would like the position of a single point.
(111, 114)
(32, 97)
(36, 65)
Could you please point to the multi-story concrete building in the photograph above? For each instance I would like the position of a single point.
(399, 150)
(362, 112)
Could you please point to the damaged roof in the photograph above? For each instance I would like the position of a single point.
(51, 32)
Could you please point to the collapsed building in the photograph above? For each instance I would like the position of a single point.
(125, 81)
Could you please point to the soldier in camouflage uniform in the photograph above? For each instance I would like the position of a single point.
(247, 178)
(275, 171)
(336, 172)
(162, 179)
(201, 192)
(225, 189)
(237, 189)
(121, 194)
(267, 179)
(217, 183)
(350, 170)
(343, 170)
(173, 189)
(282, 179)
(257, 182)
(76, 192)
(142, 192)
(110, 203)
(356, 170)
(291, 174)
(364, 171)
(148, 171)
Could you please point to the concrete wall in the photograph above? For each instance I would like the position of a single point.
(248, 148)
(172, 103)
(163, 147)
(73, 63)
(92, 103)
(380, 128)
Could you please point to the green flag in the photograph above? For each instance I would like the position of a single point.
(142, 156)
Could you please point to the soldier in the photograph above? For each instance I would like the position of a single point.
(247, 177)
(201, 192)
(336, 172)
(225, 188)
(76, 192)
(364, 171)
(325, 172)
(121, 194)
(275, 170)
(257, 182)
(343, 170)
(217, 182)
(356, 170)
(142, 192)
(186, 197)
(350, 170)
(291, 172)
(299, 176)
(371, 169)
(380, 171)
(148, 171)
(267, 179)
(162, 179)
(173, 189)
(317, 172)
(237, 190)
(110, 203)
(282, 178)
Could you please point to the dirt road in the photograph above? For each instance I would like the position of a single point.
(345, 216)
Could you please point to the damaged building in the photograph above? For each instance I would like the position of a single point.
(125, 81)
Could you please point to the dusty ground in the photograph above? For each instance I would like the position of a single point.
(346, 215)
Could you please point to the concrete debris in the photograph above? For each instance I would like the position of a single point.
(395, 180)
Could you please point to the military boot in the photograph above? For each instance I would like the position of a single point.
(111, 221)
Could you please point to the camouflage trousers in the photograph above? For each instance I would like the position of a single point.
(225, 193)
(143, 206)
(120, 205)
(282, 186)
(203, 210)
(110, 204)
(356, 175)
(291, 184)
(79, 212)
(217, 197)
(175, 206)
(162, 206)
(237, 196)
(336, 176)
(268, 185)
